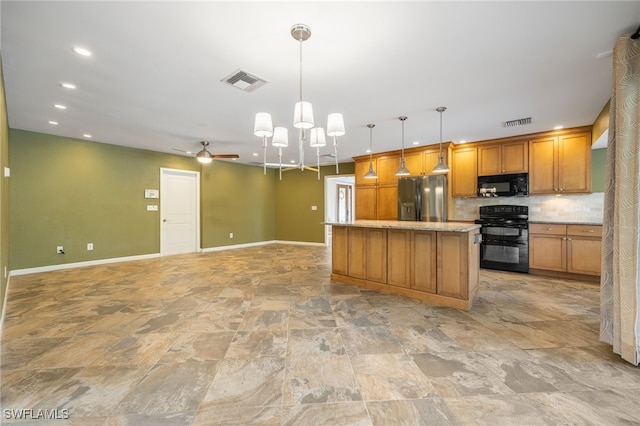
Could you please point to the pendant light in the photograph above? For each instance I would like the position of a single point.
(317, 141)
(335, 128)
(280, 140)
(371, 174)
(441, 167)
(303, 117)
(263, 128)
(402, 170)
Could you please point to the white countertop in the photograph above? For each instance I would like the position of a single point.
(415, 226)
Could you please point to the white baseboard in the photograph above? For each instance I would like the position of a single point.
(4, 306)
(236, 246)
(300, 243)
(260, 243)
(59, 267)
(81, 264)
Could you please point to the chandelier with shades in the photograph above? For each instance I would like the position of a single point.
(302, 120)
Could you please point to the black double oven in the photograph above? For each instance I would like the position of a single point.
(505, 237)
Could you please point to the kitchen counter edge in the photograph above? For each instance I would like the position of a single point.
(415, 226)
(564, 222)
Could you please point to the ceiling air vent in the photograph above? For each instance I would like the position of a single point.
(244, 81)
(518, 122)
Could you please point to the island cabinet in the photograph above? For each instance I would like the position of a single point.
(503, 158)
(464, 171)
(565, 250)
(434, 262)
(560, 164)
(412, 259)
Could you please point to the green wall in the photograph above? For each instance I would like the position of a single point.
(71, 192)
(598, 159)
(77, 192)
(4, 194)
(236, 199)
(295, 194)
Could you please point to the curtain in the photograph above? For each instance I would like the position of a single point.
(620, 280)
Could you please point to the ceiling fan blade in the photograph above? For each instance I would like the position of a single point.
(225, 156)
(182, 150)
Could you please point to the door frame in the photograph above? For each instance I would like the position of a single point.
(195, 175)
(330, 189)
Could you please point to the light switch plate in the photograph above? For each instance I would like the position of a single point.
(7, 172)
(152, 208)
(151, 193)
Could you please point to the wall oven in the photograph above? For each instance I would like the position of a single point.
(505, 238)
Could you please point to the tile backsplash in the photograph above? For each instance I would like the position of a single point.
(551, 208)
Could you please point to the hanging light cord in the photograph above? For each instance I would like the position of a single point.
(300, 44)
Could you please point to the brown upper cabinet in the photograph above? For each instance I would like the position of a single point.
(464, 171)
(503, 158)
(377, 199)
(560, 164)
(422, 162)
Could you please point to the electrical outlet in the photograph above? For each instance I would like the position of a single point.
(230, 234)
(89, 246)
(60, 250)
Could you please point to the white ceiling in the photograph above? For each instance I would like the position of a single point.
(154, 80)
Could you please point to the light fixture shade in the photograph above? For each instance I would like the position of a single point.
(280, 137)
(263, 125)
(371, 174)
(303, 115)
(441, 167)
(335, 124)
(317, 138)
(402, 170)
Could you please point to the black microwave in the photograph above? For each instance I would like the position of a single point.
(514, 185)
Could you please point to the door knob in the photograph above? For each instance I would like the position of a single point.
(164, 220)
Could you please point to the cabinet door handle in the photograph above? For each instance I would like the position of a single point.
(589, 230)
(547, 229)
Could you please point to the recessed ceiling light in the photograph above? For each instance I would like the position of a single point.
(462, 141)
(558, 127)
(55, 123)
(81, 51)
(368, 151)
(68, 85)
(188, 152)
(255, 154)
(87, 135)
(59, 106)
(416, 142)
(293, 161)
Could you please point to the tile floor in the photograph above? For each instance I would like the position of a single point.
(262, 336)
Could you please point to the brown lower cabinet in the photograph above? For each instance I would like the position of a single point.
(436, 266)
(565, 248)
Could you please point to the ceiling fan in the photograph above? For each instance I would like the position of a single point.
(204, 156)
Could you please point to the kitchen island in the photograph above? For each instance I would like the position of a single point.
(431, 261)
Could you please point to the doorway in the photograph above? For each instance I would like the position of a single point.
(339, 201)
(179, 211)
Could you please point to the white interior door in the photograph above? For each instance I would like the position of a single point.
(179, 211)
